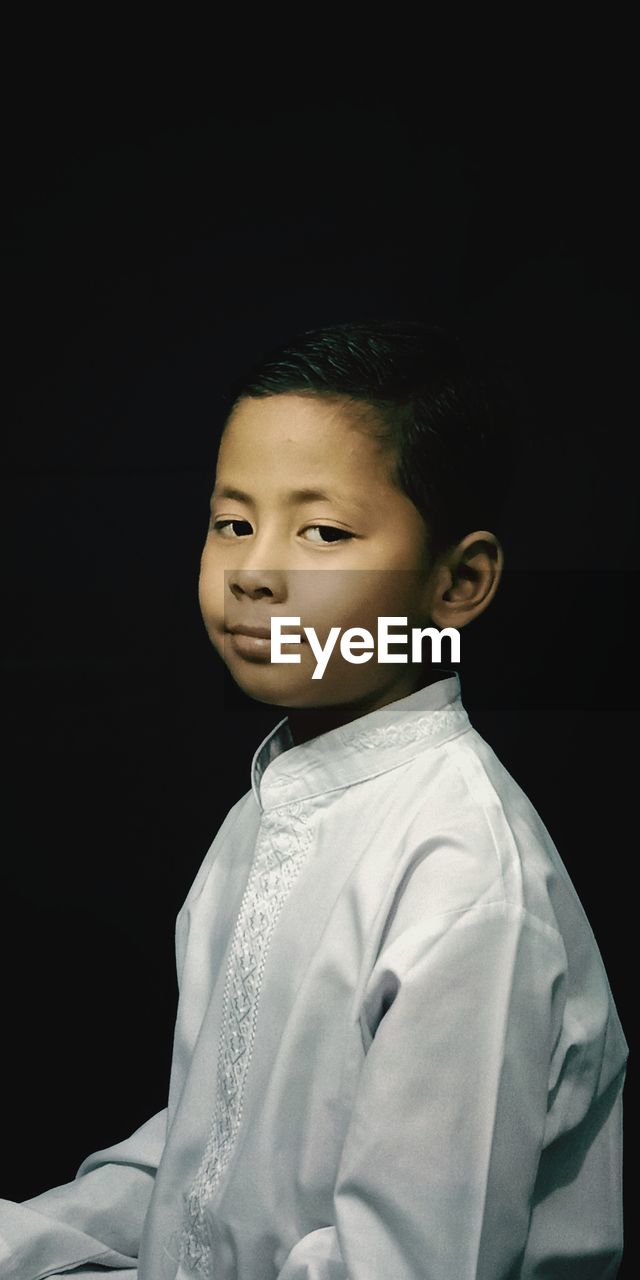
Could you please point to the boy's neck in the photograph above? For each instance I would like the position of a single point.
(309, 722)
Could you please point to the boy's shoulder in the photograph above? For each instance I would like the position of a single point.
(460, 783)
(474, 780)
(239, 822)
(482, 837)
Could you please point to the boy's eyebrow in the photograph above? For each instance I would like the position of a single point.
(293, 497)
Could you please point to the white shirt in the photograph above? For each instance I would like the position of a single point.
(396, 1056)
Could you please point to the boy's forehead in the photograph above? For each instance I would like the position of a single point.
(300, 442)
(289, 495)
(307, 414)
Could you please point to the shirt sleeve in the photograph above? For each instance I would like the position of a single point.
(440, 1158)
(96, 1219)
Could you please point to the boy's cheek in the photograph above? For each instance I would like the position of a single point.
(211, 604)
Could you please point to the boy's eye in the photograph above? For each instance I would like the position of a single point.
(329, 533)
(221, 527)
(323, 534)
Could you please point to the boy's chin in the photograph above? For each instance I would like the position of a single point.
(266, 684)
(281, 696)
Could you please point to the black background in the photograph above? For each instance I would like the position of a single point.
(158, 242)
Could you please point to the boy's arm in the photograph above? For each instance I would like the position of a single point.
(439, 1163)
(97, 1218)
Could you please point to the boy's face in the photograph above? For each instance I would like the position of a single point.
(356, 551)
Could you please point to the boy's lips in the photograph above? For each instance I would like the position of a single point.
(260, 633)
(252, 643)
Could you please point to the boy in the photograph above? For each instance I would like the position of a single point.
(396, 1053)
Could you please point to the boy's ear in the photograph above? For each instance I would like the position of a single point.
(466, 580)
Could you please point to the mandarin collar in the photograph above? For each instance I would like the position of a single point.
(282, 772)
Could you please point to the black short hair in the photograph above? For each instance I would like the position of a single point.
(450, 421)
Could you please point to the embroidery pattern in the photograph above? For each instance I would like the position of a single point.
(283, 843)
(443, 720)
(439, 722)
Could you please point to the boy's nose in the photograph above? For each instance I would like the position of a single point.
(256, 583)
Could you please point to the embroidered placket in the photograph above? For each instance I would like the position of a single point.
(283, 842)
